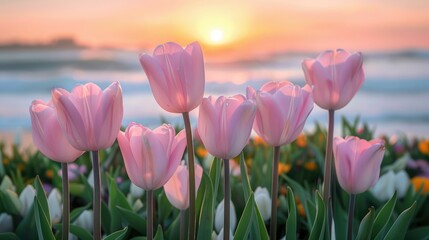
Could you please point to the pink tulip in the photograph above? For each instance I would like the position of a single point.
(176, 76)
(282, 109)
(225, 124)
(357, 163)
(47, 134)
(91, 118)
(177, 188)
(151, 156)
(336, 76)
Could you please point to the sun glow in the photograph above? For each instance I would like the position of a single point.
(216, 36)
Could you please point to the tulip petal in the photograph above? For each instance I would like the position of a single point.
(241, 123)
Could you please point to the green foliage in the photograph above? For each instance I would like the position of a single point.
(301, 213)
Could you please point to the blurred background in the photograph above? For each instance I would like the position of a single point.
(46, 44)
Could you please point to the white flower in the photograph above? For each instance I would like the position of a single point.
(85, 220)
(402, 182)
(135, 191)
(91, 179)
(219, 216)
(389, 183)
(6, 223)
(263, 201)
(220, 236)
(55, 206)
(26, 198)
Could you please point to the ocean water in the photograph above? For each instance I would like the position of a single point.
(394, 99)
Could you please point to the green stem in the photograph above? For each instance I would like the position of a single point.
(182, 224)
(328, 170)
(227, 201)
(149, 209)
(96, 203)
(274, 193)
(66, 201)
(351, 213)
(190, 150)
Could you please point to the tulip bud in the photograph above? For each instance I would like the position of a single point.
(219, 217)
(176, 76)
(263, 201)
(89, 117)
(282, 109)
(6, 223)
(55, 206)
(26, 198)
(357, 163)
(151, 156)
(335, 76)
(225, 124)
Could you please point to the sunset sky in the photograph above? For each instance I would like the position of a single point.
(223, 27)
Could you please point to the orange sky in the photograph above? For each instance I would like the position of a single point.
(247, 26)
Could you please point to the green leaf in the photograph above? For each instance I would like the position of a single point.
(207, 210)
(244, 178)
(134, 220)
(420, 233)
(118, 235)
(80, 233)
(215, 170)
(383, 217)
(174, 229)
(291, 222)
(366, 226)
(116, 199)
(159, 234)
(261, 232)
(400, 226)
(27, 227)
(303, 196)
(106, 217)
(6, 183)
(9, 202)
(167, 208)
(43, 225)
(319, 223)
(243, 227)
(8, 236)
(41, 196)
(77, 211)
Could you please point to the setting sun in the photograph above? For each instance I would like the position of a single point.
(216, 36)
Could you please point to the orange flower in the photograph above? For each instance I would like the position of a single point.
(6, 161)
(284, 168)
(310, 166)
(424, 147)
(301, 210)
(201, 152)
(283, 190)
(258, 141)
(301, 141)
(49, 173)
(422, 183)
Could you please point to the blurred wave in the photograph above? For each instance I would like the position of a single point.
(394, 96)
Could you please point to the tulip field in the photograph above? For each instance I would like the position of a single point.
(300, 169)
(244, 169)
